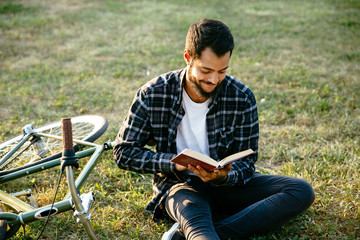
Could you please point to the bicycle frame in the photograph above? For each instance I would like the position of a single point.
(27, 213)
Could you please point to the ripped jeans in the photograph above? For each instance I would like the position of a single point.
(207, 212)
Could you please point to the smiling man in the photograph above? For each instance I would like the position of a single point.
(202, 108)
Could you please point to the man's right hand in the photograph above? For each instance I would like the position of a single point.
(179, 167)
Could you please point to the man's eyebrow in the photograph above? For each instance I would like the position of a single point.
(210, 69)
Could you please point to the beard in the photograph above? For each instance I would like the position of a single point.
(195, 85)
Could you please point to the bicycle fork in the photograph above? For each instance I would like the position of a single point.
(82, 204)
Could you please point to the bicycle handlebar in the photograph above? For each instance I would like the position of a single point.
(67, 134)
(68, 156)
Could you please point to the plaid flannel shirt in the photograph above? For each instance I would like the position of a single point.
(232, 125)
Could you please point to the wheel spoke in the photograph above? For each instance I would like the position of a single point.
(83, 128)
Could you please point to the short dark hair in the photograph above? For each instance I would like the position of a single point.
(208, 33)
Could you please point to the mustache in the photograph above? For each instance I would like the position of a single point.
(208, 82)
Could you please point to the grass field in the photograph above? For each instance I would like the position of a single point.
(300, 58)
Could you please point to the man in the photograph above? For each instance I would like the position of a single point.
(204, 109)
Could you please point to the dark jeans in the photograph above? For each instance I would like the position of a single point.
(206, 212)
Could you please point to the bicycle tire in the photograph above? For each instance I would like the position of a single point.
(86, 128)
(3, 227)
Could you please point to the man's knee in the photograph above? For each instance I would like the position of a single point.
(184, 199)
(308, 194)
(301, 193)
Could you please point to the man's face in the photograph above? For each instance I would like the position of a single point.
(205, 74)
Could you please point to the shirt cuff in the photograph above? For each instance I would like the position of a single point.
(166, 166)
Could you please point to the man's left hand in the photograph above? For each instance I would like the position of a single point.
(217, 176)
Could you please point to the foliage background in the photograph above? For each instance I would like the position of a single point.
(301, 59)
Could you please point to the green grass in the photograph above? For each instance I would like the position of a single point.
(301, 59)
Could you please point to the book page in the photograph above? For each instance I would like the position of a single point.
(235, 157)
(200, 156)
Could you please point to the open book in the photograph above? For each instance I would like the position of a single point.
(194, 158)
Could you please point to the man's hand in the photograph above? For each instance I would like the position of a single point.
(179, 167)
(217, 176)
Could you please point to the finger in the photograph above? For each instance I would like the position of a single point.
(216, 171)
(228, 167)
(200, 172)
(179, 167)
(206, 175)
(193, 169)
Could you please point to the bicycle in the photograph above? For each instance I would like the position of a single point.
(40, 149)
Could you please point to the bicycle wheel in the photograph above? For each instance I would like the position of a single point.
(86, 128)
(3, 227)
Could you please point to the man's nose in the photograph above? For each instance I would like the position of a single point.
(214, 78)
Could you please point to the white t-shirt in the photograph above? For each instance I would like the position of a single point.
(192, 130)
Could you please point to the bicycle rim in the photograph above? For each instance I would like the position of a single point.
(86, 128)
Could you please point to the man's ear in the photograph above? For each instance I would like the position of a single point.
(186, 57)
